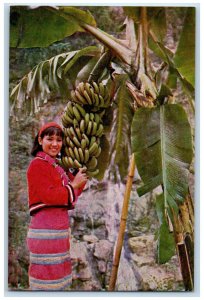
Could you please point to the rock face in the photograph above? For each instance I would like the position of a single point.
(95, 223)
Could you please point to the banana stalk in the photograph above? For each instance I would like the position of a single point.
(121, 233)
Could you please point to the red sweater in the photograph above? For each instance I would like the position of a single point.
(45, 186)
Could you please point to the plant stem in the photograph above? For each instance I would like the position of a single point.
(121, 232)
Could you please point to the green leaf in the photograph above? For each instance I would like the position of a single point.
(157, 19)
(78, 14)
(48, 78)
(166, 243)
(44, 25)
(185, 55)
(162, 143)
(121, 127)
(104, 157)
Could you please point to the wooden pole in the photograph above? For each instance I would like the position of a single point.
(121, 232)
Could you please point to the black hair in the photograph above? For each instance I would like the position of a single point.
(48, 131)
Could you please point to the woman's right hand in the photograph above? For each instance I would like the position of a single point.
(80, 179)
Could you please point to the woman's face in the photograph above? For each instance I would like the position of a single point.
(51, 144)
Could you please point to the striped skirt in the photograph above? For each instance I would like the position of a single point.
(48, 242)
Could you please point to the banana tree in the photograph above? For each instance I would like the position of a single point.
(142, 120)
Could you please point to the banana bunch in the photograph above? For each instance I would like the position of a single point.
(92, 94)
(82, 132)
(83, 126)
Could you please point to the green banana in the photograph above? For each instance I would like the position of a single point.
(74, 97)
(101, 100)
(75, 123)
(98, 152)
(89, 100)
(96, 87)
(80, 87)
(82, 125)
(83, 143)
(78, 132)
(70, 108)
(89, 128)
(92, 163)
(81, 155)
(71, 153)
(93, 148)
(92, 173)
(76, 153)
(80, 97)
(97, 100)
(94, 128)
(93, 97)
(86, 119)
(76, 113)
(80, 109)
(77, 164)
(76, 141)
(86, 155)
(70, 162)
(99, 132)
(91, 116)
(86, 138)
(64, 121)
(97, 118)
(93, 140)
(101, 89)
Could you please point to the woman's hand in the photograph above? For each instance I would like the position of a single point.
(80, 179)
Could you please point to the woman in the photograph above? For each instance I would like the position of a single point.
(51, 193)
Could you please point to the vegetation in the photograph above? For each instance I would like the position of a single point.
(144, 118)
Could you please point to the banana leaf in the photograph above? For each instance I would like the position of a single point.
(44, 25)
(162, 143)
(166, 242)
(184, 58)
(121, 127)
(49, 79)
